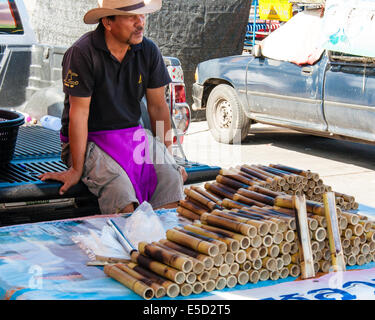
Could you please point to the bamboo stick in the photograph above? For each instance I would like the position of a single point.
(237, 227)
(264, 274)
(243, 240)
(207, 260)
(234, 268)
(159, 290)
(219, 189)
(192, 207)
(162, 255)
(198, 287)
(221, 283)
(257, 264)
(204, 276)
(220, 244)
(194, 243)
(158, 267)
(214, 273)
(172, 289)
(252, 253)
(254, 276)
(207, 194)
(246, 266)
(127, 280)
(186, 289)
(240, 256)
(186, 213)
(242, 277)
(256, 242)
(231, 281)
(229, 257)
(201, 199)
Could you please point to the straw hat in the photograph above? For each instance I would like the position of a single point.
(120, 7)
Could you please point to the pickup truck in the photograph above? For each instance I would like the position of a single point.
(30, 83)
(332, 97)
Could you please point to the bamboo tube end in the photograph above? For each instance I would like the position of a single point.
(220, 283)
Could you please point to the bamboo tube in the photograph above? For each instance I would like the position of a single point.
(370, 236)
(351, 260)
(257, 264)
(197, 209)
(214, 273)
(279, 263)
(372, 246)
(274, 275)
(277, 238)
(365, 248)
(186, 289)
(345, 243)
(293, 248)
(264, 274)
(355, 250)
(287, 259)
(324, 266)
(355, 241)
(191, 277)
(348, 233)
(294, 270)
(246, 266)
(242, 277)
(287, 177)
(279, 180)
(172, 289)
(254, 172)
(207, 260)
(254, 276)
(194, 243)
(234, 268)
(306, 173)
(262, 228)
(346, 197)
(162, 255)
(159, 290)
(234, 174)
(243, 240)
(237, 227)
(252, 253)
(232, 244)
(289, 236)
(352, 218)
(295, 258)
(219, 189)
(220, 283)
(198, 265)
(284, 272)
(224, 270)
(322, 245)
(229, 257)
(263, 252)
(368, 258)
(240, 256)
(269, 263)
(127, 280)
(231, 281)
(362, 238)
(220, 244)
(361, 260)
(356, 229)
(259, 197)
(248, 213)
(197, 287)
(319, 234)
(262, 190)
(273, 251)
(218, 260)
(186, 213)
(267, 240)
(204, 276)
(158, 267)
(231, 204)
(234, 184)
(284, 247)
(206, 194)
(367, 225)
(256, 242)
(209, 286)
(245, 200)
(201, 199)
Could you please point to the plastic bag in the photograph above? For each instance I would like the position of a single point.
(143, 225)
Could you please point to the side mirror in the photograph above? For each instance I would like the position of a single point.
(256, 51)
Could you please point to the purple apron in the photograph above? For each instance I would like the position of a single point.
(130, 149)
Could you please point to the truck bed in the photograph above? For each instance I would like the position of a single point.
(24, 198)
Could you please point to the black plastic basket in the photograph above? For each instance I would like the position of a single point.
(10, 122)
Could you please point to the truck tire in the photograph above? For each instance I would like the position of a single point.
(225, 117)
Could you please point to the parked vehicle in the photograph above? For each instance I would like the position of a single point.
(333, 97)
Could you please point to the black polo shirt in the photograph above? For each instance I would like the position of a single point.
(116, 89)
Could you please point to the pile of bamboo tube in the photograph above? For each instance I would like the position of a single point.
(239, 230)
(238, 199)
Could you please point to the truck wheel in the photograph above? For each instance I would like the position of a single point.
(225, 117)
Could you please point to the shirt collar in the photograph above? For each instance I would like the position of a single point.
(99, 40)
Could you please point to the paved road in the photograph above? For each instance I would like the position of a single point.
(347, 167)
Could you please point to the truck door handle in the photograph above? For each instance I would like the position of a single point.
(307, 71)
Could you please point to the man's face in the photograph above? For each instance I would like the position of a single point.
(128, 29)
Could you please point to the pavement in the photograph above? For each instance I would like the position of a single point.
(347, 167)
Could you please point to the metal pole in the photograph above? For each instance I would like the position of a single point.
(255, 4)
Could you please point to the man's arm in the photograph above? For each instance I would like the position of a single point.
(159, 115)
(78, 118)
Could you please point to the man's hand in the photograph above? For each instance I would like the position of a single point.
(69, 178)
(183, 173)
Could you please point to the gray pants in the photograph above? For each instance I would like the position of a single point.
(107, 180)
